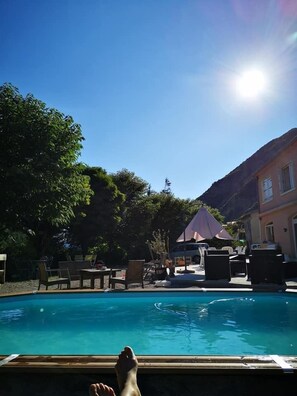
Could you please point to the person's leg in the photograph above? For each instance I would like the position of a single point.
(126, 370)
(100, 390)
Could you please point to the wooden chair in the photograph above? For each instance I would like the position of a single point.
(78, 257)
(72, 268)
(134, 275)
(91, 258)
(2, 267)
(44, 277)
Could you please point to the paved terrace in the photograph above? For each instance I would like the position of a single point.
(195, 280)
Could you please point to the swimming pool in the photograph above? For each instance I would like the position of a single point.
(154, 323)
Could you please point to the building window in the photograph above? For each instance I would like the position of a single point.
(269, 231)
(267, 189)
(287, 178)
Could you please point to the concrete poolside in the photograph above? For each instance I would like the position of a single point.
(195, 280)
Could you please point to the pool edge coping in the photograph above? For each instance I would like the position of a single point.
(259, 288)
(246, 365)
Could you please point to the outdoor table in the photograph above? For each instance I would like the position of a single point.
(92, 273)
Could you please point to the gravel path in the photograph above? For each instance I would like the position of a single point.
(32, 285)
(18, 287)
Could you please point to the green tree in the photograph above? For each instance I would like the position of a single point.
(144, 213)
(135, 215)
(95, 224)
(169, 214)
(40, 179)
(131, 185)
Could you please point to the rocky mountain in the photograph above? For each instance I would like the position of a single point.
(237, 192)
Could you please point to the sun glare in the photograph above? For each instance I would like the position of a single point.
(251, 84)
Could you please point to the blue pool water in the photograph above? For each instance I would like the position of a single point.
(157, 323)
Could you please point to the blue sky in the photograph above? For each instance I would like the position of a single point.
(152, 82)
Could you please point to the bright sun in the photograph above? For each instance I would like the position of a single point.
(251, 84)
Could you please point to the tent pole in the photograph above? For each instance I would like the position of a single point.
(186, 270)
(185, 250)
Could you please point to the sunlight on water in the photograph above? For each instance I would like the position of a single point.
(153, 323)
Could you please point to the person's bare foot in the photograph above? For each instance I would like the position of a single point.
(126, 370)
(100, 390)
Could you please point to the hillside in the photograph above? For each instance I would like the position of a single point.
(236, 193)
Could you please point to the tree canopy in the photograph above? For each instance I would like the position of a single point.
(97, 221)
(40, 178)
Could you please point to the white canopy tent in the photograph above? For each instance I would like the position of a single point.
(203, 226)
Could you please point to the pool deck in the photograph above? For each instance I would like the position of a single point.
(194, 280)
(197, 279)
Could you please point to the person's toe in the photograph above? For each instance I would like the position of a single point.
(93, 390)
(100, 390)
(129, 352)
(106, 390)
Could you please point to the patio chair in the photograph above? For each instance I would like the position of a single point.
(266, 266)
(2, 267)
(78, 257)
(91, 258)
(44, 277)
(72, 268)
(229, 249)
(217, 267)
(202, 251)
(149, 271)
(134, 275)
(217, 252)
(238, 265)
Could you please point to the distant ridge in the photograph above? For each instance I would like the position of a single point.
(236, 193)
